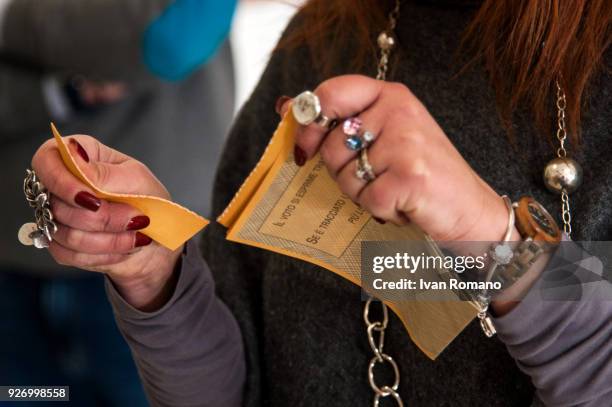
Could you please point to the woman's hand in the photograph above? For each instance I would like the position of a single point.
(420, 176)
(103, 236)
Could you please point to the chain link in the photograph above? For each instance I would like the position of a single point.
(562, 153)
(561, 129)
(380, 357)
(38, 198)
(385, 52)
(566, 213)
(386, 40)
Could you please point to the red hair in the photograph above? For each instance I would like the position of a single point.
(524, 45)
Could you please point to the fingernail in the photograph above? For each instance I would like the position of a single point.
(88, 201)
(80, 149)
(382, 222)
(299, 156)
(138, 222)
(280, 102)
(142, 240)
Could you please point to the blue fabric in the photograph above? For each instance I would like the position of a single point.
(186, 35)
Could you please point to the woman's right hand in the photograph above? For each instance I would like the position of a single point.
(103, 236)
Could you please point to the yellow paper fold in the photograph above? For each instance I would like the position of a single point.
(171, 224)
(300, 212)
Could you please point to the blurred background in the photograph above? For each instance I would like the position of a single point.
(161, 83)
(257, 27)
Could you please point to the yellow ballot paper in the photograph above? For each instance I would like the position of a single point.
(171, 224)
(301, 212)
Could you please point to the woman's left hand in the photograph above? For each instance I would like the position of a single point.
(420, 175)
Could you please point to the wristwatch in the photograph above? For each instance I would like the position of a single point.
(540, 234)
(533, 221)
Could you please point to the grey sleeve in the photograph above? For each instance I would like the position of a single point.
(95, 38)
(561, 333)
(190, 352)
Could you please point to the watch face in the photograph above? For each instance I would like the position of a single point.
(306, 108)
(542, 219)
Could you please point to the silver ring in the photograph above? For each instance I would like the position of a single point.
(325, 122)
(364, 170)
(356, 140)
(306, 108)
(39, 233)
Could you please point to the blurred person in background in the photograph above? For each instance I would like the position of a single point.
(146, 77)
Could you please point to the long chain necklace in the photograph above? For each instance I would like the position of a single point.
(562, 175)
(386, 42)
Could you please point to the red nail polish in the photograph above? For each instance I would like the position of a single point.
(88, 201)
(142, 240)
(280, 102)
(299, 156)
(80, 149)
(379, 220)
(138, 222)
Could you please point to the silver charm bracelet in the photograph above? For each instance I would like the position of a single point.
(39, 233)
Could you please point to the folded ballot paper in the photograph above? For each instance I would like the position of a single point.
(171, 224)
(301, 212)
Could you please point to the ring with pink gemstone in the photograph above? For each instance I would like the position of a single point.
(356, 141)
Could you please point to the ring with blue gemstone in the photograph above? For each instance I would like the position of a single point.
(355, 139)
(358, 142)
(354, 143)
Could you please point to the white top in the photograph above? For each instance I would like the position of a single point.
(3, 7)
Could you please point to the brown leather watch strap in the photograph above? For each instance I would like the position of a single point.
(534, 221)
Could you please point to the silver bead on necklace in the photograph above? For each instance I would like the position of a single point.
(563, 175)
